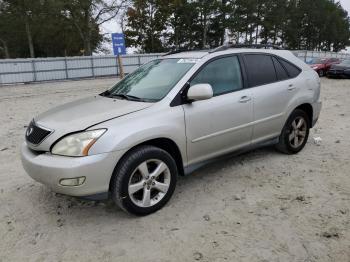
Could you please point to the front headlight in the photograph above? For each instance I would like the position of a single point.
(77, 144)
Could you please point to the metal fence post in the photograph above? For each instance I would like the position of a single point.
(139, 59)
(0, 76)
(34, 70)
(92, 66)
(117, 65)
(66, 67)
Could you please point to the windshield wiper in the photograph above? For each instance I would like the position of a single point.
(127, 97)
(108, 93)
(105, 93)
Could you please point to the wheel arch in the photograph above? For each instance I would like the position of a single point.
(166, 144)
(169, 146)
(307, 108)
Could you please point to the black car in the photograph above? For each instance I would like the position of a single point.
(341, 70)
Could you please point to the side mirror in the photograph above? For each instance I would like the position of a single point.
(200, 92)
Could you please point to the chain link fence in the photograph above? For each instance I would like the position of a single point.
(14, 71)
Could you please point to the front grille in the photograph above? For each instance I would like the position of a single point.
(36, 134)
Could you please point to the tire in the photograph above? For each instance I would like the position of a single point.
(321, 73)
(135, 171)
(289, 145)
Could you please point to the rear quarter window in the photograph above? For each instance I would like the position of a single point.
(292, 70)
(280, 71)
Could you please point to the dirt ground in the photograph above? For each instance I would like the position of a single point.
(260, 206)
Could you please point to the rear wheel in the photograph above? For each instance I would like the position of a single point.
(144, 180)
(295, 133)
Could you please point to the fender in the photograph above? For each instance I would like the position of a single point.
(139, 127)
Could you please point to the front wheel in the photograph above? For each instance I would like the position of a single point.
(295, 133)
(144, 180)
(321, 73)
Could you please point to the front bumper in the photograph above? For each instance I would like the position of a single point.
(50, 169)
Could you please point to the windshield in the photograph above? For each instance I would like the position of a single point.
(152, 81)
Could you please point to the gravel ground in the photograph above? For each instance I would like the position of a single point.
(260, 206)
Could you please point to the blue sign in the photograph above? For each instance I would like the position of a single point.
(118, 41)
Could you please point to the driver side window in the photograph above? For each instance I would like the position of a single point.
(223, 74)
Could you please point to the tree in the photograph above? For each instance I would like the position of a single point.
(88, 15)
(147, 24)
(274, 17)
(45, 28)
(182, 22)
(26, 12)
(4, 30)
(295, 24)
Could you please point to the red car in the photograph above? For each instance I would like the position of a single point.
(322, 65)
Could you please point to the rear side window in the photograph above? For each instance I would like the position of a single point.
(280, 71)
(223, 74)
(292, 70)
(260, 69)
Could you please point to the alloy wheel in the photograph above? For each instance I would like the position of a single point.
(149, 183)
(297, 132)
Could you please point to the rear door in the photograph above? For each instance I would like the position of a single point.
(272, 89)
(222, 123)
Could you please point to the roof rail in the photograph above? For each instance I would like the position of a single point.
(180, 50)
(255, 46)
(175, 51)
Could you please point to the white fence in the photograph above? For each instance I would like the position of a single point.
(64, 68)
(306, 56)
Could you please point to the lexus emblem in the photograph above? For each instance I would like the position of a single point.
(29, 131)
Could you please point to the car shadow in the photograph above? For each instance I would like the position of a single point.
(77, 208)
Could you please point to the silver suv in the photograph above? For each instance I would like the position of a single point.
(169, 116)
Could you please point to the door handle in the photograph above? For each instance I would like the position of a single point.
(291, 87)
(245, 99)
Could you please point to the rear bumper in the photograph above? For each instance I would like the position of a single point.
(50, 169)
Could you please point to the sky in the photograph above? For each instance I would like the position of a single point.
(113, 26)
(346, 5)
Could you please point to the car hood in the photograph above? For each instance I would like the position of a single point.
(316, 65)
(82, 114)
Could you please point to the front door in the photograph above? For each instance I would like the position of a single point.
(223, 123)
